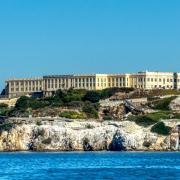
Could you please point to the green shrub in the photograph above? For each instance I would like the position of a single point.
(107, 117)
(38, 123)
(162, 104)
(176, 115)
(72, 115)
(92, 96)
(22, 103)
(75, 104)
(107, 93)
(36, 104)
(161, 128)
(163, 92)
(90, 110)
(70, 95)
(2, 105)
(6, 126)
(153, 98)
(6, 111)
(89, 126)
(150, 119)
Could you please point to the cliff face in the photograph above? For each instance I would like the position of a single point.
(87, 136)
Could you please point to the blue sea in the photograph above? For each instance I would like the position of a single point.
(89, 165)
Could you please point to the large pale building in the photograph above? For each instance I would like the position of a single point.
(49, 84)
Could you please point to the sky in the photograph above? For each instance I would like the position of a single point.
(44, 37)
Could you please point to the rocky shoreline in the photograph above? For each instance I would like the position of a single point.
(79, 135)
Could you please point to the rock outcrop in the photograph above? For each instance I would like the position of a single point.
(175, 104)
(87, 136)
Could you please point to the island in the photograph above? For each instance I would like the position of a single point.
(113, 119)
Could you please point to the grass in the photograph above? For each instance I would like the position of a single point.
(176, 115)
(72, 115)
(161, 128)
(154, 118)
(151, 118)
(162, 104)
(163, 92)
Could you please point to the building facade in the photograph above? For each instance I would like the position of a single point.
(20, 87)
(49, 84)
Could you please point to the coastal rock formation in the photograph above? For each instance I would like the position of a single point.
(9, 102)
(175, 104)
(87, 136)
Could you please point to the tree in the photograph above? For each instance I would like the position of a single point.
(22, 103)
(92, 96)
(2, 105)
(90, 110)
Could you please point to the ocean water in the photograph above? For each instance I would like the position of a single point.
(89, 165)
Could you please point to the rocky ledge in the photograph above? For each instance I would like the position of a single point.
(87, 136)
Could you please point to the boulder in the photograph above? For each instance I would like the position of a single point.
(175, 104)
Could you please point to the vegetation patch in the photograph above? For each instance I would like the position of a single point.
(176, 115)
(89, 126)
(72, 115)
(2, 105)
(6, 126)
(91, 110)
(162, 104)
(163, 92)
(95, 96)
(81, 99)
(4, 109)
(107, 117)
(151, 118)
(38, 123)
(161, 128)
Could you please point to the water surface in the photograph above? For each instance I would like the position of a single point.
(90, 165)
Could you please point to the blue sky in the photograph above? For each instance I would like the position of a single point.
(39, 37)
